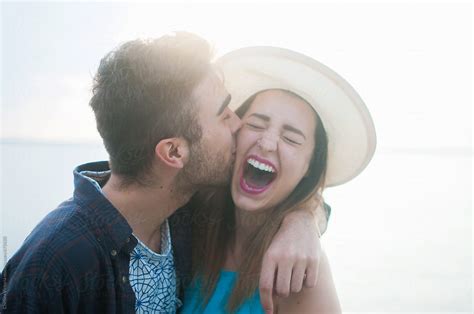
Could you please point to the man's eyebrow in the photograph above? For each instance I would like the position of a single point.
(224, 105)
(286, 127)
(260, 116)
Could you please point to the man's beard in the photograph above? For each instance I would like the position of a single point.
(205, 168)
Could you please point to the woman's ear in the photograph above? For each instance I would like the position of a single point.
(174, 152)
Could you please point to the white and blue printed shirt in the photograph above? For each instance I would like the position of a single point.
(153, 276)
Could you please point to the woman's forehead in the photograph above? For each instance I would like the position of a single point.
(282, 106)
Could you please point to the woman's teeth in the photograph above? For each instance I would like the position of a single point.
(260, 166)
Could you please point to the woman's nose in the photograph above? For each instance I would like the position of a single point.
(268, 142)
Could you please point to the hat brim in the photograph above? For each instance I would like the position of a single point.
(348, 124)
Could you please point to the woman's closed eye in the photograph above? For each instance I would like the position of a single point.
(292, 140)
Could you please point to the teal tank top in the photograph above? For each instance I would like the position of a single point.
(218, 301)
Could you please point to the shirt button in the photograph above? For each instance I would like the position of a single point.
(128, 240)
(113, 253)
(124, 279)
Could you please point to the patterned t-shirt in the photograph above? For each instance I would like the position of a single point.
(153, 277)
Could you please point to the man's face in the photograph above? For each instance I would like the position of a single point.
(212, 158)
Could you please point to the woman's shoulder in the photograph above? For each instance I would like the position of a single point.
(320, 299)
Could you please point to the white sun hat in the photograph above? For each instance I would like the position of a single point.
(348, 124)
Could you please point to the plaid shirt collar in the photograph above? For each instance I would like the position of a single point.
(113, 230)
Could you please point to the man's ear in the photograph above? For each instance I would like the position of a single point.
(174, 152)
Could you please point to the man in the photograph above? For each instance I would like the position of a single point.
(122, 243)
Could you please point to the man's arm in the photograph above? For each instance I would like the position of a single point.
(29, 289)
(292, 260)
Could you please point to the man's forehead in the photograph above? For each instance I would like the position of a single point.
(218, 79)
(211, 84)
(219, 73)
(210, 92)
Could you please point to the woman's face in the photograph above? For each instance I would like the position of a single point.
(274, 150)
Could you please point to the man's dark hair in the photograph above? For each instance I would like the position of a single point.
(142, 95)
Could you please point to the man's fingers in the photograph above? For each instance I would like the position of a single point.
(312, 273)
(267, 278)
(297, 278)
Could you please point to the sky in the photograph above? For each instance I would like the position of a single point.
(410, 62)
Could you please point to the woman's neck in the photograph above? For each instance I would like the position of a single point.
(246, 224)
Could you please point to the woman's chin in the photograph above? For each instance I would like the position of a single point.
(246, 201)
(249, 204)
(242, 203)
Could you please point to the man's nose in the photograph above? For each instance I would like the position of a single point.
(235, 122)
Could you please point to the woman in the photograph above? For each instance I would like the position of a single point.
(303, 128)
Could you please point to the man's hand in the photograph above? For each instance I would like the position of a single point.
(292, 260)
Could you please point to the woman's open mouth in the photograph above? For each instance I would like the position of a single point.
(257, 175)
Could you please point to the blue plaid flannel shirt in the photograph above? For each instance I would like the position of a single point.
(76, 260)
